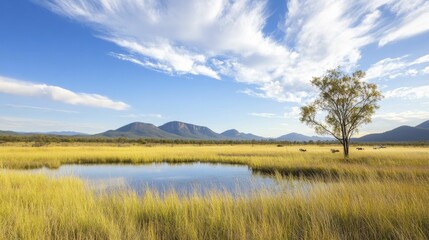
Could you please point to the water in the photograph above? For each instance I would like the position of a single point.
(182, 178)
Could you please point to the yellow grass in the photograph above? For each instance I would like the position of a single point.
(359, 204)
(404, 161)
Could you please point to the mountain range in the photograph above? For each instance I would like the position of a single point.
(139, 130)
(176, 130)
(181, 130)
(296, 137)
(236, 135)
(59, 133)
(400, 134)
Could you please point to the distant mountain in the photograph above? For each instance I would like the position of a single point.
(424, 125)
(399, 134)
(190, 131)
(8, 133)
(181, 130)
(175, 130)
(60, 133)
(296, 137)
(139, 130)
(233, 134)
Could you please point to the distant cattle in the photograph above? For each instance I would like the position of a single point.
(360, 148)
(302, 150)
(379, 147)
(334, 150)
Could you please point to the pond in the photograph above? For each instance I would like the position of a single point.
(184, 178)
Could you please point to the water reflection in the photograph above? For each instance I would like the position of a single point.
(182, 178)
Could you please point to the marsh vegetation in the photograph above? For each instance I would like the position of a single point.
(375, 194)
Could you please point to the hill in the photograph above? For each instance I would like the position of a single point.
(234, 134)
(59, 133)
(424, 125)
(190, 131)
(400, 134)
(296, 137)
(139, 130)
(8, 133)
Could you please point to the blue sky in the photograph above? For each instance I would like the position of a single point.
(95, 65)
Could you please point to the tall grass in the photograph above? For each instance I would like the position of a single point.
(377, 194)
(37, 207)
(398, 161)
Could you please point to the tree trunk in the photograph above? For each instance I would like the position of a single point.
(346, 148)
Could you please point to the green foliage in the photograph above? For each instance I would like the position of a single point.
(347, 102)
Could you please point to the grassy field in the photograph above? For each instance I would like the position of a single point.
(376, 194)
(317, 161)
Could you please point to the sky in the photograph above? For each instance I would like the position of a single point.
(94, 65)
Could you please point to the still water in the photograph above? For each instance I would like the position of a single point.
(181, 178)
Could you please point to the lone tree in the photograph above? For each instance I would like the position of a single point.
(346, 101)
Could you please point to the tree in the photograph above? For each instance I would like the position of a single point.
(347, 102)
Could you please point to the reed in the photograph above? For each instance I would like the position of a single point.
(37, 207)
(376, 194)
(317, 161)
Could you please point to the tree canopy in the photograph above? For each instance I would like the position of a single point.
(346, 101)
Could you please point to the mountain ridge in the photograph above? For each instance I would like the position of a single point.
(191, 131)
(139, 130)
(400, 134)
(424, 125)
(293, 136)
(181, 130)
(235, 134)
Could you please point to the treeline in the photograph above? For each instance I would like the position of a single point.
(40, 140)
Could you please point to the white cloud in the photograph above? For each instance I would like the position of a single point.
(143, 115)
(404, 116)
(422, 59)
(426, 70)
(391, 68)
(39, 108)
(218, 38)
(42, 125)
(264, 115)
(409, 92)
(388, 67)
(11, 86)
(294, 112)
(415, 20)
(274, 91)
(411, 72)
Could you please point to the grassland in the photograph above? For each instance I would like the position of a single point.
(377, 194)
(288, 160)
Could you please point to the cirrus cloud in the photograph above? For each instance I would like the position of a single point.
(415, 20)
(403, 117)
(409, 92)
(59, 94)
(392, 68)
(217, 38)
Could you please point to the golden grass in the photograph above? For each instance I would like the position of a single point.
(377, 194)
(37, 207)
(317, 161)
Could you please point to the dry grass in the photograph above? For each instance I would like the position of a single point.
(36, 207)
(358, 205)
(317, 161)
